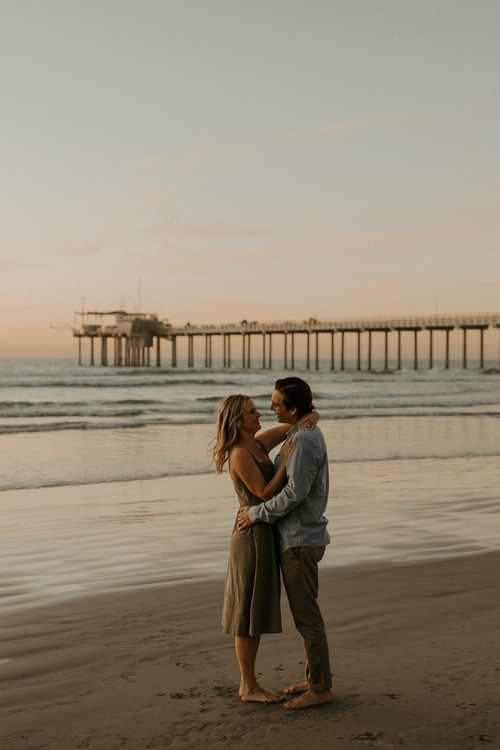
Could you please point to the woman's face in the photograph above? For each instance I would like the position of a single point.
(250, 418)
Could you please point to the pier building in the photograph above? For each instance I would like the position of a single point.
(134, 335)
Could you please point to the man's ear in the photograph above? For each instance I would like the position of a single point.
(293, 411)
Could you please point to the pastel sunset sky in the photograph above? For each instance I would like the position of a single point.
(218, 160)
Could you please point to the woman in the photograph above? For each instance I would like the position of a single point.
(251, 598)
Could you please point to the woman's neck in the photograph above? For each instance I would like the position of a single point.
(247, 441)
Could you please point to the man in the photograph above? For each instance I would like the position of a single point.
(298, 512)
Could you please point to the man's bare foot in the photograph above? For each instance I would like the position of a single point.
(310, 698)
(301, 687)
(260, 695)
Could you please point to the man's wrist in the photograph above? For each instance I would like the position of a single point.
(252, 513)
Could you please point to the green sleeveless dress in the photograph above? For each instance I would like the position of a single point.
(252, 593)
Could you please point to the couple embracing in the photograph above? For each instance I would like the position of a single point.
(280, 523)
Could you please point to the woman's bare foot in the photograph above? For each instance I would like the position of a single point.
(301, 687)
(310, 698)
(260, 695)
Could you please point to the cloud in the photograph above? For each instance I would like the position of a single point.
(48, 252)
(380, 288)
(7, 266)
(78, 250)
(378, 121)
(191, 156)
(159, 194)
(190, 159)
(410, 236)
(346, 126)
(203, 232)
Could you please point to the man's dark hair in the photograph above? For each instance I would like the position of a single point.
(296, 393)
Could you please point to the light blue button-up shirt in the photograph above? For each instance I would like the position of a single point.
(298, 509)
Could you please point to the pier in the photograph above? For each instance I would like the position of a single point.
(134, 335)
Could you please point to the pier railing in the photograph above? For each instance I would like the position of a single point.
(344, 324)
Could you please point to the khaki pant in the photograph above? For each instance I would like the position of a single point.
(299, 567)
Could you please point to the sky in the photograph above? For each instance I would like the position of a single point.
(218, 160)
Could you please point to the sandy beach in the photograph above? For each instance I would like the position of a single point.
(414, 653)
(114, 549)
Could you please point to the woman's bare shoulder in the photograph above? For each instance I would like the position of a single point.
(239, 454)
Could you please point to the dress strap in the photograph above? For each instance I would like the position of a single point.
(263, 447)
(259, 460)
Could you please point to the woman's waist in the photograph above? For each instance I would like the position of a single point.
(248, 501)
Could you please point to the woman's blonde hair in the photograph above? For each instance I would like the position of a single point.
(228, 413)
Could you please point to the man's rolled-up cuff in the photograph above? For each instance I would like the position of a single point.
(252, 513)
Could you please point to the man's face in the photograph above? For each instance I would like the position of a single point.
(283, 414)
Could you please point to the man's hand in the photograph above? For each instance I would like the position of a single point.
(243, 521)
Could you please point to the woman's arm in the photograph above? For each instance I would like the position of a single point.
(244, 467)
(275, 435)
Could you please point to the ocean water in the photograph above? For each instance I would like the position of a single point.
(106, 478)
(61, 424)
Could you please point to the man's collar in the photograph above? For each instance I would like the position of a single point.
(293, 429)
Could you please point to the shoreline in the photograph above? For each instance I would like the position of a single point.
(66, 541)
(414, 654)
